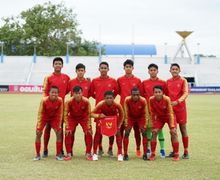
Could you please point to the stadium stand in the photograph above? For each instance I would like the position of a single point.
(21, 71)
(15, 70)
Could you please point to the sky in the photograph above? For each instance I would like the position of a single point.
(141, 21)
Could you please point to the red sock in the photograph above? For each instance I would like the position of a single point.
(153, 145)
(46, 137)
(145, 143)
(175, 147)
(58, 148)
(111, 142)
(122, 130)
(37, 148)
(137, 137)
(126, 142)
(119, 143)
(185, 144)
(96, 141)
(88, 143)
(68, 143)
(62, 138)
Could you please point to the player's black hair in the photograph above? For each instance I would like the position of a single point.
(134, 89)
(54, 87)
(80, 65)
(152, 65)
(105, 63)
(158, 87)
(57, 59)
(76, 89)
(108, 93)
(175, 64)
(128, 62)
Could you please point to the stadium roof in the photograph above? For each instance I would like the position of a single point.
(126, 49)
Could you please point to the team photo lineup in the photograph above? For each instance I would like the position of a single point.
(145, 106)
(109, 90)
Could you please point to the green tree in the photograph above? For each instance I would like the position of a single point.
(11, 33)
(48, 27)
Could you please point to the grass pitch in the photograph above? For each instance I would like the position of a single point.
(17, 131)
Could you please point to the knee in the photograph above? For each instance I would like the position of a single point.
(144, 132)
(154, 132)
(58, 134)
(88, 132)
(38, 135)
(173, 132)
(127, 133)
(183, 129)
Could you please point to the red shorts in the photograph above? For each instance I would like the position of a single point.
(158, 123)
(74, 123)
(55, 124)
(181, 117)
(137, 122)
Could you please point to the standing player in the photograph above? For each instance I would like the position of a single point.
(147, 86)
(108, 107)
(98, 87)
(136, 112)
(125, 84)
(61, 81)
(80, 80)
(162, 112)
(77, 111)
(51, 113)
(178, 91)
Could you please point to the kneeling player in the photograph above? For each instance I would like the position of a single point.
(161, 113)
(108, 107)
(50, 112)
(77, 111)
(136, 111)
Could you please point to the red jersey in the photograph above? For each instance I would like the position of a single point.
(125, 84)
(136, 110)
(148, 85)
(50, 110)
(84, 84)
(77, 111)
(59, 80)
(178, 91)
(162, 110)
(113, 110)
(100, 85)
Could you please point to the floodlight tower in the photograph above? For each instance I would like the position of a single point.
(184, 35)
